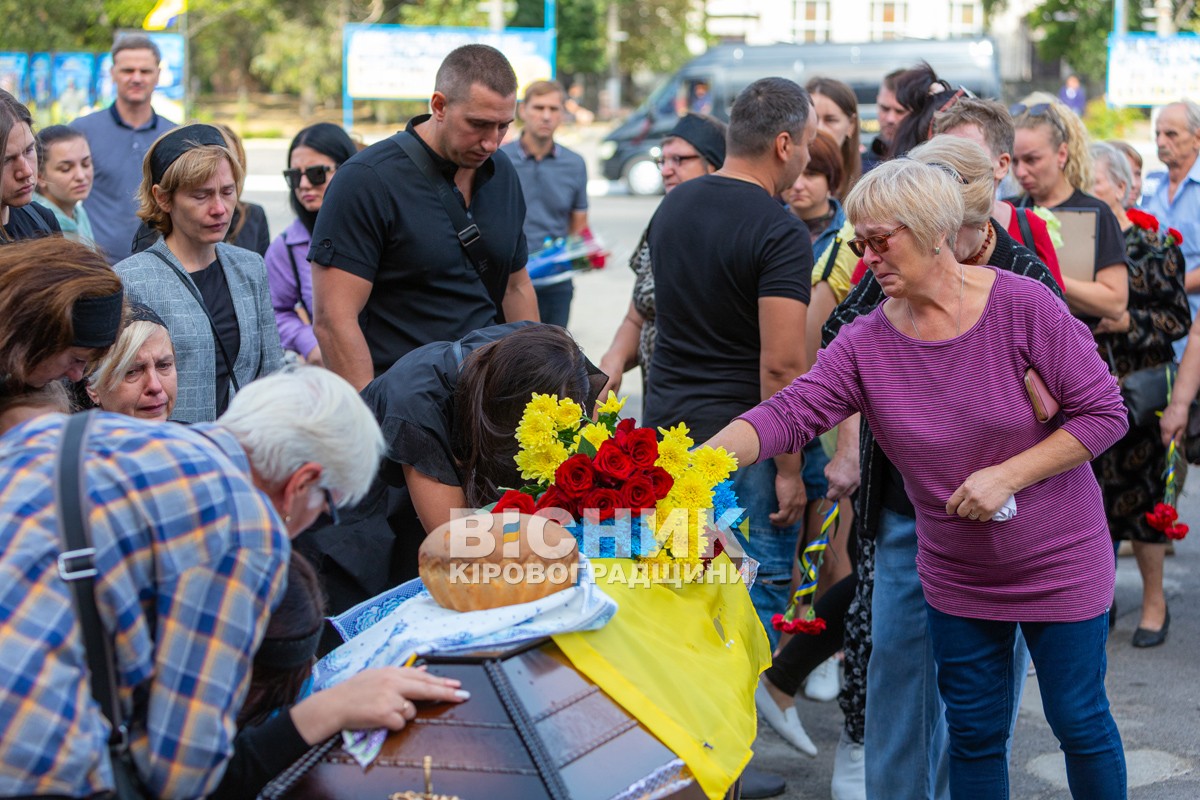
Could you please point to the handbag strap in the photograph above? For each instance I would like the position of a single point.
(191, 287)
(77, 567)
(1022, 215)
(296, 273)
(468, 233)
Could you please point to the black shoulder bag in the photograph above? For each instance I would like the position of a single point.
(1022, 215)
(469, 235)
(77, 567)
(191, 287)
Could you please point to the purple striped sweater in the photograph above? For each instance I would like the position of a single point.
(943, 410)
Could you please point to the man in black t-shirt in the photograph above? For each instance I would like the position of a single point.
(389, 272)
(732, 271)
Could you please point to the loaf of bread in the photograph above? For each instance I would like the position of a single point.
(490, 560)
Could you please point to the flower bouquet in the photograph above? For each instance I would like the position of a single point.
(575, 253)
(618, 489)
(1164, 517)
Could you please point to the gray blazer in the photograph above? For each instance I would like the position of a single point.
(148, 280)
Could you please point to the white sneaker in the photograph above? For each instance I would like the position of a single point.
(849, 771)
(824, 682)
(785, 722)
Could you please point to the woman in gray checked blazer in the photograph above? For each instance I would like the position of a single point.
(213, 296)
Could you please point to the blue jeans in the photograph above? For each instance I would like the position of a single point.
(976, 678)
(905, 735)
(773, 548)
(554, 302)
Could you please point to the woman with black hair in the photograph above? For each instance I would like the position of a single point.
(20, 217)
(924, 94)
(314, 156)
(449, 412)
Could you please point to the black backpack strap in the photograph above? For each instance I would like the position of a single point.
(191, 287)
(469, 235)
(1026, 232)
(77, 567)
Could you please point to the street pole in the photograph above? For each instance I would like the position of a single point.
(613, 51)
(496, 15)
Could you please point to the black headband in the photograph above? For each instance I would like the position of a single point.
(284, 654)
(97, 320)
(702, 134)
(170, 147)
(143, 313)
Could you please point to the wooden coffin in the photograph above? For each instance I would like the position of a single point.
(534, 728)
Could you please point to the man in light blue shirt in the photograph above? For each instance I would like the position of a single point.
(1176, 199)
(119, 137)
(554, 182)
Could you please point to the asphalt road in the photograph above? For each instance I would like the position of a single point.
(1155, 694)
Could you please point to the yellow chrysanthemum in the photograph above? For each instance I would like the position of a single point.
(691, 490)
(594, 434)
(611, 404)
(544, 404)
(539, 464)
(673, 457)
(676, 435)
(535, 430)
(712, 465)
(567, 414)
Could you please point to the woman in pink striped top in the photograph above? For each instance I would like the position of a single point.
(937, 370)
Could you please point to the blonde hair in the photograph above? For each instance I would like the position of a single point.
(191, 169)
(925, 199)
(108, 371)
(1065, 127)
(972, 164)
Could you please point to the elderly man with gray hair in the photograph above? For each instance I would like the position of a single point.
(190, 532)
(1176, 199)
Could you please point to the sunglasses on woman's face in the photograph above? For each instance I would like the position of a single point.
(316, 175)
(878, 242)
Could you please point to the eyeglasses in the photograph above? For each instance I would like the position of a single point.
(316, 175)
(675, 162)
(331, 507)
(878, 242)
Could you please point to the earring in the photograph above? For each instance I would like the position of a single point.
(937, 251)
(287, 519)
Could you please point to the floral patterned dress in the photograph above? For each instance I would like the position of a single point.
(1131, 471)
(643, 301)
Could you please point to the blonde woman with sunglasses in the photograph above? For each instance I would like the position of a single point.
(1009, 524)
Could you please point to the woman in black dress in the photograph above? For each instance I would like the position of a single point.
(1131, 472)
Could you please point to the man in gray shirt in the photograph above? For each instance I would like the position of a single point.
(554, 182)
(119, 137)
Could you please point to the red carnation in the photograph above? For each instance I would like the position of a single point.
(1142, 219)
(662, 481)
(575, 476)
(612, 463)
(514, 499)
(1175, 235)
(638, 494)
(556, 498)
(641, 445)
(778, 622)
(1176, 531)
(605, 501)
(811, 627)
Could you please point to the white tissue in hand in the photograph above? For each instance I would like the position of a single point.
(1007, 511)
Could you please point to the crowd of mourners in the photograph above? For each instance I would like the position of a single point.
(281, 421)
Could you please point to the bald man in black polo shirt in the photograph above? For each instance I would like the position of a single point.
(389, 271)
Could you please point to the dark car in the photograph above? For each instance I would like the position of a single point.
(708, 84)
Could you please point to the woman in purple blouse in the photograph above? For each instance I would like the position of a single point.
(313, 158)
(938, 370)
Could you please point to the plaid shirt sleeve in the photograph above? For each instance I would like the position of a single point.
(191, 559)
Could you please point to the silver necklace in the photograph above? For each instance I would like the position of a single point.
(962, 283)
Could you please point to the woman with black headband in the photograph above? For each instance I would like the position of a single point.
(212, 296)
(137, 377)
(63, 308)
(313, 158)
